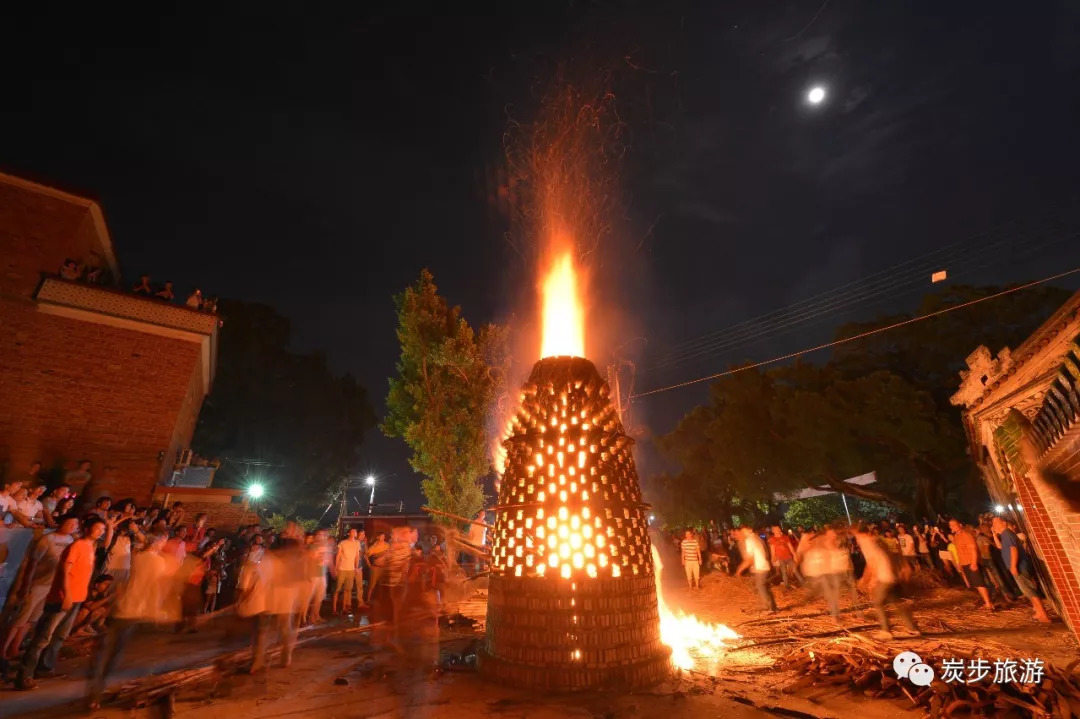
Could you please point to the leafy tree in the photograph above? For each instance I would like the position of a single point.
(770, 433)
(289, 412)
(277, 523)
(447, 378)
(930, 353)
(818, 511)
(815, 511)
(881, 404)
(877, 422)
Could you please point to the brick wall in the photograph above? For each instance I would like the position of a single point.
(37, 232)
(1056, 536)
(184, 428)
(71, 389)
(222, 516)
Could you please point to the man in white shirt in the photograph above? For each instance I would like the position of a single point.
(31, 506)
(879, 567)
(9, 510)
(10, 500)
(908, 551)
(756, 559)
(346, 562)
(152, 596)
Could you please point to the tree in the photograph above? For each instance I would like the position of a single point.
(879, 422)
(881, 404)
(277, 523)
(815, 511)
(772, 433)
(819, 511)
(448, 376)
(930, 353)
(300, 421)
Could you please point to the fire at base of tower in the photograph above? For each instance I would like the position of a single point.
(572, 599)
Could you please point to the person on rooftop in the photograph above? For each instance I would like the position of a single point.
(70, 270)
(143, 288)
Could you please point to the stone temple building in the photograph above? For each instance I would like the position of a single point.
(88, 369)
(1021, 411)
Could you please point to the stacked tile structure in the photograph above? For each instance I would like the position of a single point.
(572, 599)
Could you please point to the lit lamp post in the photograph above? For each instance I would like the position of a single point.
(254, 492)
(371, 502)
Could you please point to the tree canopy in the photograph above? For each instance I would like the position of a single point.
(289, 413)
(448, 377)
(773, 433)
(880, 404)
(930, 353)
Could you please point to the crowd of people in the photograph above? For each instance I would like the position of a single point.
(107, 569)
(92, 273)
(991, 558)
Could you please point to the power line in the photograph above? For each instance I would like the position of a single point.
(951, 253)
(959, 245)
(859, 300)
(859, 336)
(846, 294)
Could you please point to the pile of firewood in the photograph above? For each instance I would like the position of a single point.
(855, 664)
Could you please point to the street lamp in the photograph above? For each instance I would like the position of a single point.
(371, 483)
(254, 492)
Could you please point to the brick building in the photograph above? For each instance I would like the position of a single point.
(1021, 412)
(90, 371)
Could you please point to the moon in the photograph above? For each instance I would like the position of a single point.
(816, 95)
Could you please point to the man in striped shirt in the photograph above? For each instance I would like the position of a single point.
(691, 559)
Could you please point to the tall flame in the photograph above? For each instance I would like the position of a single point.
(564, 312)
(688, 636)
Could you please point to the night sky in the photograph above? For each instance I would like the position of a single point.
(317, 158)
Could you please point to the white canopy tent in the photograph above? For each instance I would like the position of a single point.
(861, 480)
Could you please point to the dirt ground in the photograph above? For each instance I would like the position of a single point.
(350, 676)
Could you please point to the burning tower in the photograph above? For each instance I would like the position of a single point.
(572, 599)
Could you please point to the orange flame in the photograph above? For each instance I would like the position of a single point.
(564, 311)
(690, 638)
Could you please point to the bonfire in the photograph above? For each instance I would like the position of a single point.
(574, 600)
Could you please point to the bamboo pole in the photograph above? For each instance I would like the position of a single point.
(458, 517)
